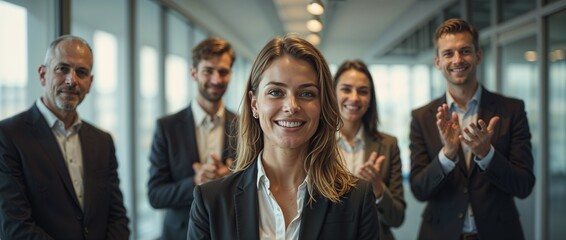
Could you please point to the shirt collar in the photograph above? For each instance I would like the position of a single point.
(475, 98)
(357, 139)
(200, 115)
(261, 177)
(52, 120)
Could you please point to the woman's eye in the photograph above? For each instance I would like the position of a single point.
(275, 92)
(307, 94)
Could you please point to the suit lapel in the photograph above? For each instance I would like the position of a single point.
(313, 217)
(89, 157)
(50, 146)
(486, 111)
(370, 146)
(247, 221)
(185, 136)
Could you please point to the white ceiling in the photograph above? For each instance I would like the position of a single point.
(362, 29)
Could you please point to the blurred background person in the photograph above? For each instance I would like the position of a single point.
(58, 173)
(471, 151)
(372, 155)
(196, 144)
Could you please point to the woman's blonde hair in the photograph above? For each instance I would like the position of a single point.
(325, 169)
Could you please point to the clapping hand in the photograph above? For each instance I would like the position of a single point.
(478, 138)
(449, 129)
(211, 170)
(371, 171)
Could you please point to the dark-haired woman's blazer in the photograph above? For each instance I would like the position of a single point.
(391, 208)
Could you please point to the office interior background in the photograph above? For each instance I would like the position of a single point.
(142, 59)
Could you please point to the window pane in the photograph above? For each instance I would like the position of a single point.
(149, 98)
(514, 8)
(177, 75)
(13, 60)
(236, 89)
(176, 82)
(557, 118)
(520, 80)
(28, 26)
(481, 13)
(399, 89)
(102, 24)
(486, 70)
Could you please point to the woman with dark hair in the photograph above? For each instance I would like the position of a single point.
(372, 155)
(289, 181)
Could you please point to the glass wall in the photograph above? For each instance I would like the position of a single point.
(177, 67)
(399, 89)
(106, 104)
(520, 80)
(481, 13)
(486, 69)
(20, 21)
(149, 93)
(556, 177)
(13, 60)
(513, 8)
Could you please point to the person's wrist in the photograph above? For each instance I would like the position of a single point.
(450, 154)
(378, 190)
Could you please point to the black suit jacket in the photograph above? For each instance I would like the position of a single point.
(227, 208)
(491, 192)
(173, 153)
(37, 198)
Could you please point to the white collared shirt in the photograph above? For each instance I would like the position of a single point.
(70, 145)
(353, 155)
(272, 220)
(209, 132)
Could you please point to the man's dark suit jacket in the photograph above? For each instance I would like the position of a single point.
(37, 198)
(173, 153)
(228, 208)
(491, 192)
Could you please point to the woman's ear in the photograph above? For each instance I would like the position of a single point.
(253, 102)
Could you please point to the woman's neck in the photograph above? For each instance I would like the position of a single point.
(350, 129)
(284, 167)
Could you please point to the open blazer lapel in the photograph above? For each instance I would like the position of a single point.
(247, 210)
(47, 140)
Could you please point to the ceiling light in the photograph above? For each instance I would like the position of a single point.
(530, 56)
(557, 55)
(314, 25)
(313, 38)
(315, 7)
